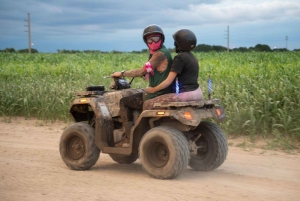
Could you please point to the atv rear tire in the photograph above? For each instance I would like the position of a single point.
(77, 146)
(212, 149)
(123, 159)
(164, 152)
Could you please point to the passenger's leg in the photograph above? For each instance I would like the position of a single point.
(173, 97)
(195, 95)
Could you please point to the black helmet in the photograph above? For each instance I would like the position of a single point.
(152, 29)
(185, 39)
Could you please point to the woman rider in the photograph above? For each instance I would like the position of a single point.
(156, 70)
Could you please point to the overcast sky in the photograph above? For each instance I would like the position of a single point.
(108, 25)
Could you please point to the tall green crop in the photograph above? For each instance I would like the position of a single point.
(260, 91)
(43, 85)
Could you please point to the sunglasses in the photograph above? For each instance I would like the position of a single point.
(152, 39)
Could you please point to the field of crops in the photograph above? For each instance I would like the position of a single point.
(260, 91)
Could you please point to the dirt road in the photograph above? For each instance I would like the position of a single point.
(31, 169)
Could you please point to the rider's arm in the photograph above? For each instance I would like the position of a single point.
(134, 73)
(130, 73)
(159, 61)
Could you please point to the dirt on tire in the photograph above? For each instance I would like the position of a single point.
(31, 169)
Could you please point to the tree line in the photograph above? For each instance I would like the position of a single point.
(257, 48)
(198, 48)
(12, 50)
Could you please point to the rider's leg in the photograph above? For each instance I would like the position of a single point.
(127, 104)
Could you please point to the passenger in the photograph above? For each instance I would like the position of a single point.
(156, 70)
(185, 68)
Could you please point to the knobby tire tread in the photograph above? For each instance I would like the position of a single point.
(181, 149)
(92, 151)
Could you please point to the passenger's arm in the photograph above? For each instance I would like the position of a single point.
(162, 85)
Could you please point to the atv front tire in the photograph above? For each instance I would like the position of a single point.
(77, 146)
(164, 152)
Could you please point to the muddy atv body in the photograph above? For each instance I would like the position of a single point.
(166, 139)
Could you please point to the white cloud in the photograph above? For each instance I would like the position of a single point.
(237, 13)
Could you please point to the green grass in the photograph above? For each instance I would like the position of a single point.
(260, 91)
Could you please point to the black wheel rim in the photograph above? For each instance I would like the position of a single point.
(158, 154)
(75, 147)
(202, 150)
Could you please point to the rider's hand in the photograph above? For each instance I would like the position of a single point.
(116, 74)
(150, 90)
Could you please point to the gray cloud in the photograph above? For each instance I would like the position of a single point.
(112, 20)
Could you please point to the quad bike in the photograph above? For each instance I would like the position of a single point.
(166, 139)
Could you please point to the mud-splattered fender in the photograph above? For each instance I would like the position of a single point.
(103, 120)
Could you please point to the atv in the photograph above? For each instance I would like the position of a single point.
(166, 139)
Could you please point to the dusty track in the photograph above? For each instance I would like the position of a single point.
(31, 169)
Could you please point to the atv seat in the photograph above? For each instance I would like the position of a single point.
(198, 104)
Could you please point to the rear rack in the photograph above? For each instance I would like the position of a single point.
(187, 104)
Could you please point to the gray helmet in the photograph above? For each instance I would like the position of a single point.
(152, 29)
(185, 39)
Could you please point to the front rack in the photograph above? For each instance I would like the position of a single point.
(89, 93)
